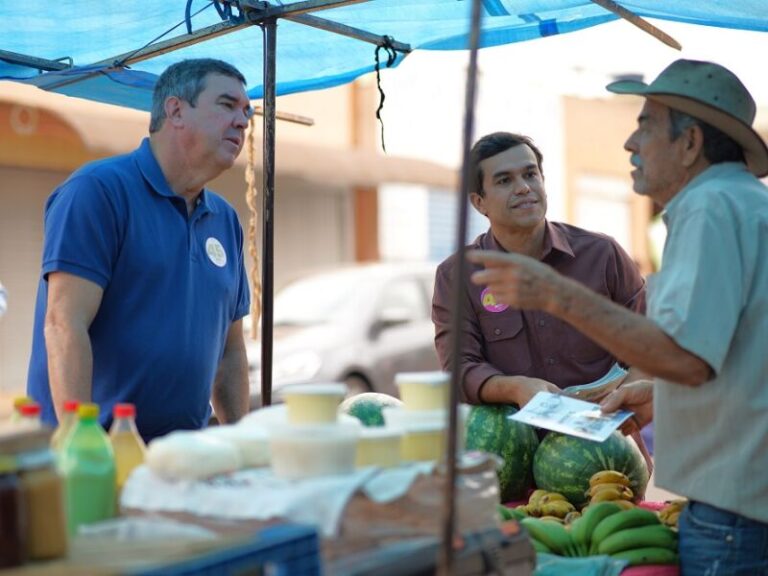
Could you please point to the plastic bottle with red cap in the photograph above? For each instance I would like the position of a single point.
(30, 414)
(18, 402)
(66, 423)
(127, 444)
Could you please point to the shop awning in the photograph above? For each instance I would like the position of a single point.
(106, 130)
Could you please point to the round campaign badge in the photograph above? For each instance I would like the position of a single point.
(489, 302)
(216, 252)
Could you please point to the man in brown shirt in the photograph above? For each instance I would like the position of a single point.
(509, 354)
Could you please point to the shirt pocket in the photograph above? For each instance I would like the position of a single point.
(577, 347)
(506, 342)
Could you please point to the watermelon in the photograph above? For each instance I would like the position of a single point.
(367, 407)
(565, 464)
(490, 429)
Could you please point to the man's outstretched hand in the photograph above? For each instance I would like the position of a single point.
(637, 397)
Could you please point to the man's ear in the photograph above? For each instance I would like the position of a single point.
(693, 145)
(173, 109)
(478, 202)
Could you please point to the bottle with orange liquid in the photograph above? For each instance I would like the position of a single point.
(127, 444)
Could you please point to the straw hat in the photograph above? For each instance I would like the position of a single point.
(711, 93)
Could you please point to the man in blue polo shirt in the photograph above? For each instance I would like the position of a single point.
(143, 286)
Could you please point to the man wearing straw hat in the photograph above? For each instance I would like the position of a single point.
(695, 153)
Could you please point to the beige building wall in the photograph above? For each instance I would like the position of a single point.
(598, 185)
(599, 192)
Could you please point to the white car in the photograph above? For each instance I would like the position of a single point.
(359, 324)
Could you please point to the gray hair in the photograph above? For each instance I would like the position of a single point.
(717, 147)
(186, 80)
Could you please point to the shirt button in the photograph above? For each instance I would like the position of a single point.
(550, 361)
(497, 331)
(542, 323)
(729, 538)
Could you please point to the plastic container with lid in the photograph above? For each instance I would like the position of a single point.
(399, 417)
(307, 451)
(88, 465)
(66, 423)
(43, 497)
(424, 390)
(128, 446)
(422, 442)
(379, 446)
(13, 529)
(313, 403)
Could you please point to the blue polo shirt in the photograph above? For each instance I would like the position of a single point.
(173, 284)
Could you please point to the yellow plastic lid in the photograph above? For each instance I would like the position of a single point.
(20, 401)
(88, 410)
(435, 378)
(315, 389)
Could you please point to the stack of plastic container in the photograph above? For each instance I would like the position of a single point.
(379, 446)
(424, 415)
(312, 441)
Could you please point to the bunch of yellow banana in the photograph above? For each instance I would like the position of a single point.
(610, 486)
(671, 511)
(548, 505)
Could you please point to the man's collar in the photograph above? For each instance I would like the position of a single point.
(719, 170)
(553, 239)
(154, 176)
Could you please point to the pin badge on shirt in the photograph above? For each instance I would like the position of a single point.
(489, 302)
(216, 252)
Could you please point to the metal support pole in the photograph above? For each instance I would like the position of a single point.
(445, 565)
(268, 208)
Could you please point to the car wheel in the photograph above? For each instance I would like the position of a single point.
(356, 385)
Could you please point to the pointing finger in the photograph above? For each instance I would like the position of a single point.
(489, 257)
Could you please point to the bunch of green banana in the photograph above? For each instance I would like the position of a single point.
(610, 485)
(506, 514)
(550, 537)
(582, 528)
(671, 511)
(636, 535)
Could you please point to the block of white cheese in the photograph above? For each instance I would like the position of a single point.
(191, 455)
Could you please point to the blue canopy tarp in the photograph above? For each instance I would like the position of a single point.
(89, 32)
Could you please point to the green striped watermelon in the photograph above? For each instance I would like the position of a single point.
(490, 429)
(565, 464)
(367, 407)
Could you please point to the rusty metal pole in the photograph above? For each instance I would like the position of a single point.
(268, 208)
(445, 565)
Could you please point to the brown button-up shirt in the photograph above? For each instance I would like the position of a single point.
(498, 340)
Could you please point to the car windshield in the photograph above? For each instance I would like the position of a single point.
(316, 299)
